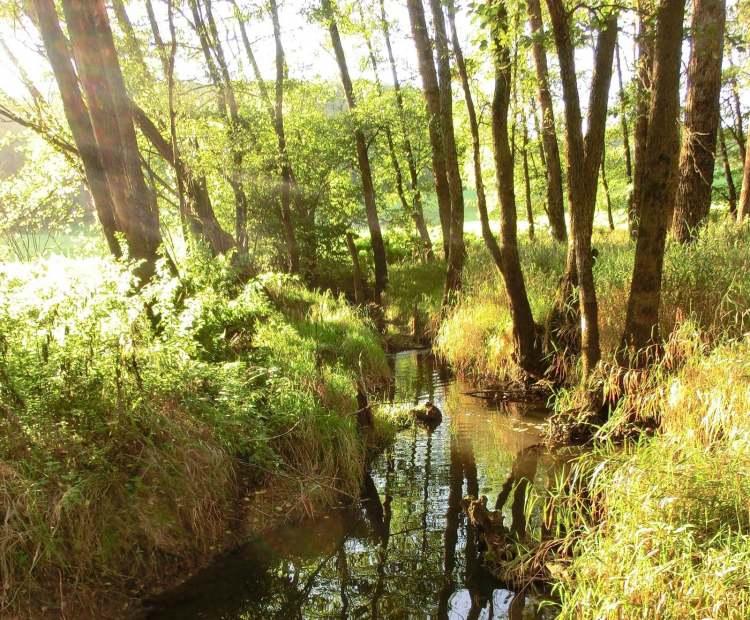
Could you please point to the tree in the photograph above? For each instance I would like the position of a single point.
(417, 211)
(112, 123)
(287, 181)
(731, 189)
(659, 186)
(431, 91)
(363, 160)
(744, 205)
(228, 108)
(624, 123)
(645, 42)
(456, 247)
(701, 118)
(555, 207)
(584, 159)
(528, 347)
(77, 115)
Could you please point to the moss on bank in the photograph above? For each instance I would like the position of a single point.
(127, 452)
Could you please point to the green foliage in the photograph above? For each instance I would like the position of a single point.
(122, 443)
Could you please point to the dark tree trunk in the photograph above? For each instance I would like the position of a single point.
(731, 189)
(528, 346)
(368, 190)
(584, 159)
(659, 185)
(417, 210)
(112, 122)
(739, 130)
(555, 207)
(527, 180)
(358, 280)
(701, 119)
(287, 183)
(78, 119)
(456, 247)
(431, 91)
(624, 121)
(744, 205)
(645, 41)
(605, 185)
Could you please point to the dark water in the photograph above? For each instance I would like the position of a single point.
(406, 551)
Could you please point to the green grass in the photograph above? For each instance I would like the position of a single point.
(665, 531)
(125, 449)
(705, 280)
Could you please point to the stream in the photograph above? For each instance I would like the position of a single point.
(405, 551)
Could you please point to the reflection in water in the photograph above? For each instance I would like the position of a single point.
(407, 550)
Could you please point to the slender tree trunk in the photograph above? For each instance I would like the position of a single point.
(112, 122)
(456, 247)
(645, 41)
(195, 201)
(731, 189)
(218, 71)
(78, 119)
(605, 185)
(287, 183)
(417, 210)
(555, 206)
(744, 205)
(132, 46)
(359, 282)
(431, 91)
(476, 145)
(527, 181)
(739, 131)
(624, 121)
(698, 154)
(659, 185)
(368, 189)
(584, 159)
(528, 346)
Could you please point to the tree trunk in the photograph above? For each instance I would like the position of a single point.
(131, 40)
(645, 41)
(605, 185)
(731, 189)
(287, 182)
(457, 248)
(527, 181)
(584, 159)
(739, 131)
(744, 205)
(659, 186)
(78, 119)
(624, 122)
(218, 71)
(417, 210)
(431, 91)
(555, 207)
(701, 119)
(368, 190)
(359, 283)
(528, 346)
(112, 122)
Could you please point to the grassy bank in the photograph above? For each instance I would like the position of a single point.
(127, 452)
(705, 281)
(665, 529)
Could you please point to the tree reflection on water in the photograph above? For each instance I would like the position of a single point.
(406, 551)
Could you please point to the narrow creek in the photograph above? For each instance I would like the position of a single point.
(405, 551)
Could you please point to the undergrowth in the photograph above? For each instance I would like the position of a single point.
(125, 447)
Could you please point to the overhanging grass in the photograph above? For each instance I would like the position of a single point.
(124, 449)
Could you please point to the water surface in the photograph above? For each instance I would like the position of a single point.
(404, 551)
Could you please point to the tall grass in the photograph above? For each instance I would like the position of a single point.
(125, 449)
(705, 280)
(664, 531)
